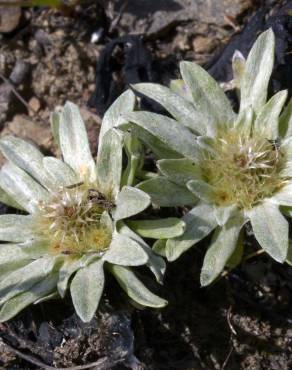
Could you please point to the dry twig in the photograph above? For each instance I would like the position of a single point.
(102, 364)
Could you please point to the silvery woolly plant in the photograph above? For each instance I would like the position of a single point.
(230, 168)
(73, 219)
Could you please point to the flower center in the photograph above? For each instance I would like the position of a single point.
(72, 221)
(243, 170)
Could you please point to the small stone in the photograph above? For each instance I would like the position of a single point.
(59, 34)
(202, 44)
(9, 17)
(34, 104)
(19, 72)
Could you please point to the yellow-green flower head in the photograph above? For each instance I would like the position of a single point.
(231, 167)
(72, 223)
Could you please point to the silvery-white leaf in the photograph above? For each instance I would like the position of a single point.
(200, 222)
(13, 306)
(125, 251)
(16, 228)
(202, 190)
(30, 250)
(21, 187)
(159, 247)
(106, 221)
(179, 171)
(86, 290)
(285, 121)
(68, 269)
(48, 297)
(208, 97)
(180, 88)
(8, 200)
(181, 109)
(237, 254)
(27, 157)
(130, 201)
(286, 147)
(113, 116)
(207, 143)
(135, 152)
(159, 148)
(244, 121)
(268, 116)
(221, 249)
(258, 69)
(15, 256)
(134, 288)
(155, 263)
(222, 214)
(270, 229)
(168, 131)
(238, 67)
(24, 278)
(109, 163)
(163, 228)
(60, 172)
(166, 193)
(12, 266)
(286, 171)
(283, 197)
(74, 143)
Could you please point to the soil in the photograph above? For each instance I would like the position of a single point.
(80, 53)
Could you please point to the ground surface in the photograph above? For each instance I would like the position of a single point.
(244, 321)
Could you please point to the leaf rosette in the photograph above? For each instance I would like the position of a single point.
(74, 217)
(231, 168)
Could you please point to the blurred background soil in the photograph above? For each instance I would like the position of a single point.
(89, 53)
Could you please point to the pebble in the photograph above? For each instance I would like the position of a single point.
(34, 104)
(9, 17)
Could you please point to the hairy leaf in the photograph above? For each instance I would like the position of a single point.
(222, 247)
(208, 97)
(113, 116)
(130, 201)
(125, 251)
(258, 69)
(159, 228)
(86, 289)
(109, 163)
(200, 222)
(74, 143)
(134, 288)
(166, 193)
(21, 187)
(168, 131)
(181, 109)
(270, 229)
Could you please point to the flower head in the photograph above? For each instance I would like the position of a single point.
(242, 169)
(73, 220)
(232, 168)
